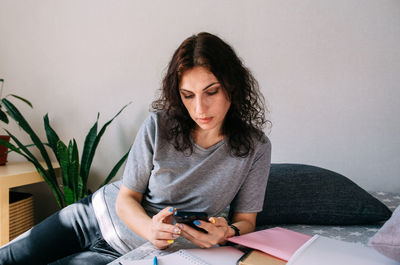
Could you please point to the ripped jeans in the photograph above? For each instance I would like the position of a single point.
(69, 237)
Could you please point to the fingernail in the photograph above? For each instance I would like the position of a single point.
(177, 230)
(171, 209)
(173, 235)
(212, 220)
(181, 226)
(170, 241)
(196, 222)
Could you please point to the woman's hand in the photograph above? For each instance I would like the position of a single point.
(217, 228)
(158, 230)
(163, 233)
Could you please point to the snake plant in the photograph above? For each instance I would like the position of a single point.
(74, 170)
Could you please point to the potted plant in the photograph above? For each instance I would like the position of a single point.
(4, 118)
(74, 170)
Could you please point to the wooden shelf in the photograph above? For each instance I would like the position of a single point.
(12, 175)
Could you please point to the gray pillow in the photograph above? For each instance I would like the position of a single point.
(304, 194)
(387, 239)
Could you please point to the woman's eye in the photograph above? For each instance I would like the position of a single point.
(187, 96)
(212, 92)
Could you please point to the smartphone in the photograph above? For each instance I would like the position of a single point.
(187, 218)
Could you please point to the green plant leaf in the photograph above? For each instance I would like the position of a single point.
(69, 196)
(91, 149)
(87, 147)
(70, 177)
(17, 116)
(80, 187)
(62, 153)
(22, 99)
(3, 117)
(52, 136)
(28, 145)
(74, 173)
(74, 170)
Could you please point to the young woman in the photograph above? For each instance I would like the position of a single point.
(202, 149)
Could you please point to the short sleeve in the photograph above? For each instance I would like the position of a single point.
(250, 197)
(140, 160)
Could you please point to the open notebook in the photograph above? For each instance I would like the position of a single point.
(322, 250)
(211, 256)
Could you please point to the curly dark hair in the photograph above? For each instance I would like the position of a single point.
(245, 118)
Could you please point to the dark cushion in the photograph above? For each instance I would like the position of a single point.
(303, 194)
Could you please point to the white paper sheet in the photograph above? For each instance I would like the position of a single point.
(322, 250)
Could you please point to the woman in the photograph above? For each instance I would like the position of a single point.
(202, 149)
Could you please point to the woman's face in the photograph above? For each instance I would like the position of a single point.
(204, 98)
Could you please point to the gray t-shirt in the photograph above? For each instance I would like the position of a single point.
(208, 180)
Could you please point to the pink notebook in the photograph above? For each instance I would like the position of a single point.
(278, 242)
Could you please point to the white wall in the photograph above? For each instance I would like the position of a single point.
(329, 70)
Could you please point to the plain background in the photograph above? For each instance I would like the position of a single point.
(330, 71)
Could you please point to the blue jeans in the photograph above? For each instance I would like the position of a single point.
(71, 236)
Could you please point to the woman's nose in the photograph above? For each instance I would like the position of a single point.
(201, 106)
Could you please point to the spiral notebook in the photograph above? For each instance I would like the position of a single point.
(212, 256)
(179, 257)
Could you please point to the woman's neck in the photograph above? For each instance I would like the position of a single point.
(206, 139)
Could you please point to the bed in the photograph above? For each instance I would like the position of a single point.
(311, 200)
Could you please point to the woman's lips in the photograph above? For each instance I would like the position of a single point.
(204, 120)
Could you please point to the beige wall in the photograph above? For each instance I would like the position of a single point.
(329, 69)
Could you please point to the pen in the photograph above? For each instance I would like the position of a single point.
(155, 261)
